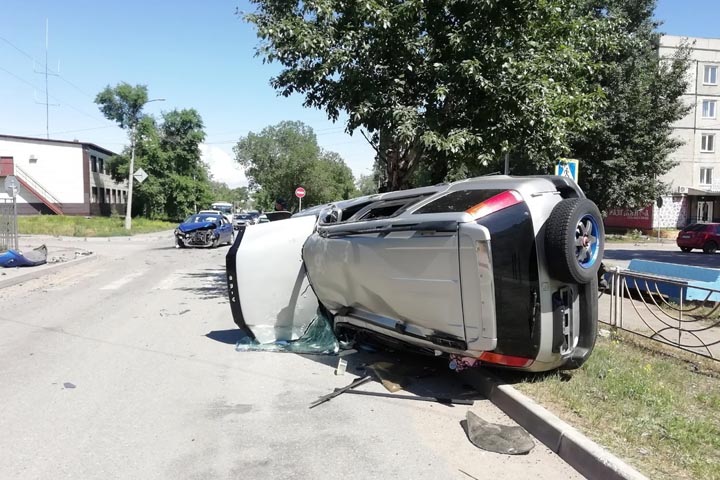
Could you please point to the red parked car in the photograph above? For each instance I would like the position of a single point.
(700, 235)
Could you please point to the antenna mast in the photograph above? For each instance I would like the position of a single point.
(47, 87)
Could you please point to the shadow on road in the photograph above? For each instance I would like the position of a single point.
(230, 337)
(210, 284)
(694, 258)
(420, 375)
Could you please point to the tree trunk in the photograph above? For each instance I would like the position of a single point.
(399, 162)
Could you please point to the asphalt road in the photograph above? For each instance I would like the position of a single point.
(124, 367)
(620, 254)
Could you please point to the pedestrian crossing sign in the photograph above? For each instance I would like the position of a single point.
(567, 167)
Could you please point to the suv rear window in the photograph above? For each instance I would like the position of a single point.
(698, 227)
(458, 201)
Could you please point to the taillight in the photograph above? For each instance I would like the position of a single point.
(494, 204)
(506, 360)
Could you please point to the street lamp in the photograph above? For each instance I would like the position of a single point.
(131, 172)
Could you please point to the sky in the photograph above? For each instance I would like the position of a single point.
(194, 55)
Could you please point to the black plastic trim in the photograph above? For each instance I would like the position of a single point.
(233, 290)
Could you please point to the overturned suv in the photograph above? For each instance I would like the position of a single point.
(500, 269)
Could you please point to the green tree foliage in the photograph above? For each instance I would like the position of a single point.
(178, 181)
(453, 83)
(222, 193)
(626, 152)
(366, 185)
(285, 156)
(123, 103)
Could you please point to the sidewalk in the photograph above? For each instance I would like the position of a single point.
(64, 252)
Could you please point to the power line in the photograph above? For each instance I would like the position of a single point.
(50, 70)
(52, 96)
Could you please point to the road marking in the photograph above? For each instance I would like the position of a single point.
(170, 282)
(120, 282)
(57, 284)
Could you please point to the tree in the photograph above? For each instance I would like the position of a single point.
(449, 82)
(625, 153)
(123, 103)
(178, 181)
(285, 156)
(366, 185)
(222, 193)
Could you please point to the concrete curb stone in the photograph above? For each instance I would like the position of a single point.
(587, 457)
(36, 272)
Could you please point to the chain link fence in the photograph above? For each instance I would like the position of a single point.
(8, 224)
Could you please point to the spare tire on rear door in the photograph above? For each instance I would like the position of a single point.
(574, 240)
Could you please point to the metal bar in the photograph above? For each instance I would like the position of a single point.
(340, 391)
(443, 400)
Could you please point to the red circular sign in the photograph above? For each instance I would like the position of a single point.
(299, 192)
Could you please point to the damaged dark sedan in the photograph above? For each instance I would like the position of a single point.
(204, 230)
(502, 270)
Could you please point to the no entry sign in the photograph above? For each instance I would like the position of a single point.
(299, 192)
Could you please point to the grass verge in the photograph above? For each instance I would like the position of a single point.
(659, 413)
(71, 226)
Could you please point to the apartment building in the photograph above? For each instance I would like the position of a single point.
(61, 177)
(695, 182)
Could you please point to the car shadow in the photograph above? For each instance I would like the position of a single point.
(695, 258)
(419, 375)
(229, 337)
(211, 284)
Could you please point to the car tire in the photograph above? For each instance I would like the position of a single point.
(685, 249)
(710, 247)
(574, 241)
(179, 243)
(588, 304)
(216, 243)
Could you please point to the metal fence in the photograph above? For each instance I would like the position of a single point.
(673, 311)
(8, 224)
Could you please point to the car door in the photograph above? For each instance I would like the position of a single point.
(225, 230)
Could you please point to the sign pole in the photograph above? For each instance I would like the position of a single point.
(15, 223)
(300, 200)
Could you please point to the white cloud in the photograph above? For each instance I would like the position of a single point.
(223, 167)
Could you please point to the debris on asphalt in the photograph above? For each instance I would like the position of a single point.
(341, 367)
(69, 385)
(443, 400)
(340, 391)
(493, 437)
(460, 363)
(318, 339)
(16, 258)
(397, 376)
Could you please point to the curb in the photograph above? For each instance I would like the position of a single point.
(587, 457)
(31, 275)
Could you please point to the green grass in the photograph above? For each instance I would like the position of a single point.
(71, 226)
(661, 414)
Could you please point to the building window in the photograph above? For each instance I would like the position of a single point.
(93, 163)
(710, 77)
(708, 108)
(94, 197)
(124, 196)
(706, 176)
(101, 191)
(101, 165)
(708, 142)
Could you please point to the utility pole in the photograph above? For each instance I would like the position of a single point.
(507, 163)
(131, 171)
